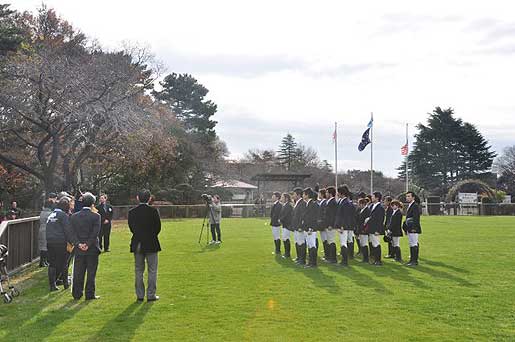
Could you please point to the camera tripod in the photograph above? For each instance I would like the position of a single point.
(205, 223)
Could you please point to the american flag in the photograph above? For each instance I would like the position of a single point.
(404, 150)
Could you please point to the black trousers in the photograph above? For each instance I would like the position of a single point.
(57, 258)
(215, 230)
(104, 236)
(83, 264)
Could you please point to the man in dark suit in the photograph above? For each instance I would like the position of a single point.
(106, 216)
(412, 227)
(376, 227)
(85, 226)
(145, 226)
(275, 214)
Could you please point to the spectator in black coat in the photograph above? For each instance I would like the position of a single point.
(85, 229)
(14, 213)
(58, 232)
(105, 210)
(145, 226)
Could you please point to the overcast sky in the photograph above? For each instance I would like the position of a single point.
(278, 67)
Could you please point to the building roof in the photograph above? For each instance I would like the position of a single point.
(234, 184)
(278, 177)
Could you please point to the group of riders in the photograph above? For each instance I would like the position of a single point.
(331, 212)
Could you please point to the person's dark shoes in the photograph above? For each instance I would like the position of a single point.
(93, 298)
(54, 288)
(140, 299)
(153, 299)
(107, 251)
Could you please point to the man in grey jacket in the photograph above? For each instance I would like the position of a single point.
(215, 217)
(85, 226)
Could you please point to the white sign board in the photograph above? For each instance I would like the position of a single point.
(507, 199)
(467, 197)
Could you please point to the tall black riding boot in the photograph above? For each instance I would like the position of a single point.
(411, 256)
(371, 252)
(364, 252)
(303, 252)
(417, 249)
(345, 258)
(277, 247)
(312, 258)
(332, 254)
(297, 249)
(391, 252)
(287, 248)
(52, 275)
(378, 252)
(326, 250)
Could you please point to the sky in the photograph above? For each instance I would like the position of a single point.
(279, 67)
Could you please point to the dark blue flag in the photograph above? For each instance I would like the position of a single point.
(365, 140)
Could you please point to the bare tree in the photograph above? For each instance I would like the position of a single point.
(62, 99)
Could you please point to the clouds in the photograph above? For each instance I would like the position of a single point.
(275, 67)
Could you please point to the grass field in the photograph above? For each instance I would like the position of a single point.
(463, 289)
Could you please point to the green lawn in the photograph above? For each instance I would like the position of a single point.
(463, 289)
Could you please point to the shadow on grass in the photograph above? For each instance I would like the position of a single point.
(361, 279)
(401, 273)
(124, 325)
(441, 264)
(319, 278)
(208, 248)
(442, 275)
(40, 324)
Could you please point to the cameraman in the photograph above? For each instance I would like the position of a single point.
(215, 216)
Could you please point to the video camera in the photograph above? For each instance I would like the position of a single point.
(207, 198)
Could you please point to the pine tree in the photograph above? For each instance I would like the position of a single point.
(10, 35)
(288, 152)
(186, 97)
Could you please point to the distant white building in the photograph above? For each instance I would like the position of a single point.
(242, 192)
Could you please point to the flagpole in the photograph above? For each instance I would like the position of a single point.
(407, 153)
(336, 154)
(372, 153)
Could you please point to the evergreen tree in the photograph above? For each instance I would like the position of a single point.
(448, 150)
(10, 35)
(186, 96)
(288, 152)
